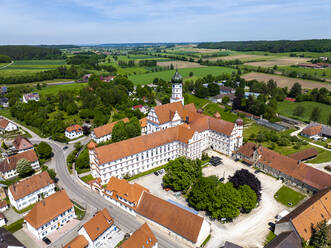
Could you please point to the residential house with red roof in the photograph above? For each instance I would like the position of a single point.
(22, 144)
(100, 230)
(142, 237)
(8, 165)
(30, 190)
(50, 214)
(7, 126)
(74, 131)
(103, 133)
(141, 108)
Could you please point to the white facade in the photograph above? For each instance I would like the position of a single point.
(100, 139)
(73, 134)
(153, 123)
(204, 232)
(31, 198)
(3, 209)
(10, 127)
(13, 173)
(52, 225)
(30, 97)
(2, 222)
(101, 241)
(177, 93)
(157, 156)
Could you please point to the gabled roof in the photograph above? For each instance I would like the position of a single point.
(285, 240)
(3, 123)
(176, 219)
(98, 224)
(129, 191)
(48, 208)
(305, 154)
(30, 185)
(289, 166)
(10, 163)
(142, 237)
(107, 129)
(3, 204)
(78, 242)
(21, 143)
(310, 213)
(312, 130)
(74, 128)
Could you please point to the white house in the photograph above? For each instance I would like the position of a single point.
(141, 108)
(124, 194)
(74, 131)
(3, 221)
(99, 229)
(30, 190)
(142, 237)
(103, 133)
(50, 214)
(31, 97)
(7, 126)
(3, 206)
(8, 165)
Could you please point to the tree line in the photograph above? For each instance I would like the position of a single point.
(31, 52)
(279, 46)
(4, 59)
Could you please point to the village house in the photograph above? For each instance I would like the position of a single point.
(142, 237)
(30, 190)
(4, 102)
(50, 214)
(286, 168)
(3, 90)
(74, 131)
(316, 131)
(226, 90)
(99, 230)
(78, 242)
(141, 108)
(289, 239)
(7, 126)
(307, 215)
(8, 165)
(124, 194)
(31, 97)
(22, 144)
(103, 133)
(3, 206)
(2, 220)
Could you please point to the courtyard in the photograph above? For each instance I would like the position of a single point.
(248, 230)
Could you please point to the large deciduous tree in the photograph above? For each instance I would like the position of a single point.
(44, 150)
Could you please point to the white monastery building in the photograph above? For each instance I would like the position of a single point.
(30, 190)
(50, 214)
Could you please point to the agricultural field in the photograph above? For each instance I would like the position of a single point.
(28, 67)
(286, 108)
(54, 89)
(282, 61)
(285, 81)
(179, 64)
(241, 57)
(326, 72)
(166, 75)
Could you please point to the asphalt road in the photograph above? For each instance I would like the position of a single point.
(92, 200)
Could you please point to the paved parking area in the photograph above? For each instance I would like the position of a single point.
(25, 239)
(12, 216)
(248, 230)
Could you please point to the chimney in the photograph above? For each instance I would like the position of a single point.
(187, 120)
(299, 162)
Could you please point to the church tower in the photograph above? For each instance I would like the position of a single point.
(177, 88)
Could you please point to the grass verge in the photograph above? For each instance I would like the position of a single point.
(24, 209)
(146, 172)
(206, 241)
(269, 238)
(15, 226)
(87, 178)
(286, 195)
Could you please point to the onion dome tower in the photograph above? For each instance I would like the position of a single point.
(177, 88)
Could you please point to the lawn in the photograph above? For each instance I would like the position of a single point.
(308, 71)
(87, 178)
(210, 108)
(79, 211)
(166, 75)
(54, 89)
(28, 67)
(286, 195)
(270, 237)
(286, 108)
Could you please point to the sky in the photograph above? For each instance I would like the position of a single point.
(34, 22)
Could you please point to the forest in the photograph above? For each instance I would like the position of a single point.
(30, 52)
(279, 46)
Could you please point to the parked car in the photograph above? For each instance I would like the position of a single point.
(156, 173)
(46, 240)
(65, 148)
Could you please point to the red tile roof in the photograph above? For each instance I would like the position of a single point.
(74, 128)
(311, 131)
(3, 204)
(178, 220)
(22, 143)
(98, 224)
(9, 163)
(48, 208)
(143, 237)
(78, 242)
(305, 154)
(310, 213)
(3, 123)
(107, 129)
(30, 185)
